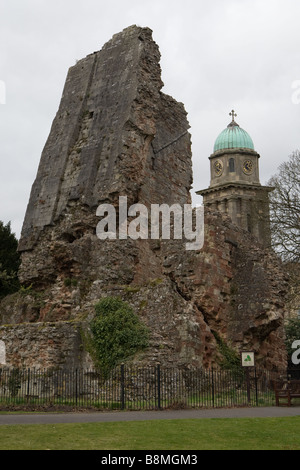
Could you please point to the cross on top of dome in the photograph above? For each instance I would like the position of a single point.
(233, 114)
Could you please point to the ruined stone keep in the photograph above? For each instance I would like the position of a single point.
(117, 134)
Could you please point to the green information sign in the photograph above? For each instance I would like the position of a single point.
(247, 358)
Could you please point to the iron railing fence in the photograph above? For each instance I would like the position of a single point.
(139, 388)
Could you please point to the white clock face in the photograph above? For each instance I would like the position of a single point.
(248, 167)
(218, 167)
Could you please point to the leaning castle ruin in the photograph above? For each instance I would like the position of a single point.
(116, 134)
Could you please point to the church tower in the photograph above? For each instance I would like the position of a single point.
(235, 188)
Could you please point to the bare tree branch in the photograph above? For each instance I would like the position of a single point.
(285, 209)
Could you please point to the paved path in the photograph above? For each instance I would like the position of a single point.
(102, 417)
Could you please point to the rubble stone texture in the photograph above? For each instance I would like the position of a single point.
(116, 134)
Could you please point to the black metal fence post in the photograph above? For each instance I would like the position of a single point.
(248, 385)
(212, 387)
(28, 383)
(76, 387)
(158, 386)
(122, 387)
(256, 390)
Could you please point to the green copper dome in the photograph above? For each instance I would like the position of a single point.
(233, 137)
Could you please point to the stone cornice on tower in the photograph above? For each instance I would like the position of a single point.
(256, 187)
(219, 153)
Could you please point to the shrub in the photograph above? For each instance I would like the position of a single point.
(117, 333)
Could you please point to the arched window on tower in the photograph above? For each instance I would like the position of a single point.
(249, 223)
(231, 165)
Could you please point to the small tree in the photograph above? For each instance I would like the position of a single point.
(117, 333)
(9, 261)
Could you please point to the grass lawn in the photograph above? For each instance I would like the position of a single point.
(190, 434)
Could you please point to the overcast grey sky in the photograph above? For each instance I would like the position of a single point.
(217, 55)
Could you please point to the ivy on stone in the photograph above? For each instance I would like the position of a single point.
(117, 333)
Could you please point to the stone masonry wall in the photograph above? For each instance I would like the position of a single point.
(43, 345)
